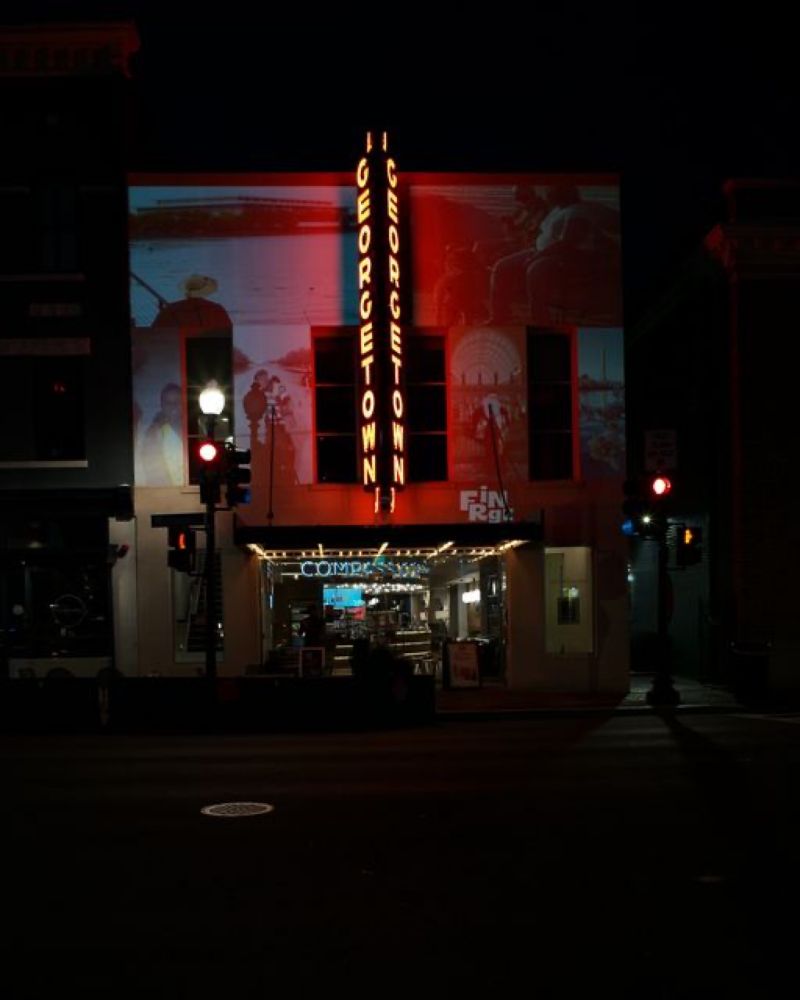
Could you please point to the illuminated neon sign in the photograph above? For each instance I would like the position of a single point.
(381, 393)
(366, 337)
(364, 567)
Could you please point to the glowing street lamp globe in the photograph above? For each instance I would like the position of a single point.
(212, 400)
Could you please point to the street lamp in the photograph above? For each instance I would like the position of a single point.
(212, 403)
(212, 400)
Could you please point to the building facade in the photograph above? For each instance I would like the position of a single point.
(66, 457)
(427, 373)
(733, 617)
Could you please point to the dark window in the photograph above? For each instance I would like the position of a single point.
(16, 230)
(335, 407)
(424, 358)
(336, 458)
(207, 359)
(426, 408)
(550, 405)
(58, 220)
(427, 457)
(334, 360)
(46, 398)
(569, 610)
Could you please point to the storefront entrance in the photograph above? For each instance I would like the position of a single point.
(55, 596)
(409, 601)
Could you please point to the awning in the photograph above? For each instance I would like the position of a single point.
(345, 540)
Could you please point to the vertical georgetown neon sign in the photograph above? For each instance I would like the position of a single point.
(380, 339)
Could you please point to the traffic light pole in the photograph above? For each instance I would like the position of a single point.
(663, 690)
(211, 570)
(211, 593)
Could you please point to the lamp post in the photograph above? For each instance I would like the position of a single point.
(212, 403)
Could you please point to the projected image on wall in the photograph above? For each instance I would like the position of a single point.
(273, 412)
(258, 266)
(273, 254)
(544, 252)
(487, 405)
(601, 395)
(158, 409)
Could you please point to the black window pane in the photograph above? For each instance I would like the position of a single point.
(45, 397)
(549, 357)
(424, 359)
(426, 407)
(58, 409)
(334, 360)
(336, 409)
(336, 459)
(209, 358)
(17, 231)
(551, 407)
(427, 458)
(551, 456)
(17, 442)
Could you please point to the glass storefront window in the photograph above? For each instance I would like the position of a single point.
(569, 615)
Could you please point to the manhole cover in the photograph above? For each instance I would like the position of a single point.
(237, 809)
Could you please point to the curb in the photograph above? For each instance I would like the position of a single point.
(498, 714)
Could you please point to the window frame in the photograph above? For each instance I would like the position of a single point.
(573, 431)
(329, 333)
(440, 335)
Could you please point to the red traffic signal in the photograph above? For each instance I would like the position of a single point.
(182, 544)
(660, 486)
(208, 451)
(212, 466)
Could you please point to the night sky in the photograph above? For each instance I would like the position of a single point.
(675, 100)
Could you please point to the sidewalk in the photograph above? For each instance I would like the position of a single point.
(495, 701)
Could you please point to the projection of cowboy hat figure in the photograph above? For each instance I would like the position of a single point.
(195, 311)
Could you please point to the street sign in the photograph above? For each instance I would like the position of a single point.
(661, 451)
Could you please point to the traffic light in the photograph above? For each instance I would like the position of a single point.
(211, 460)
(237, 475)
(655, 519)
(688, 545)
(659, 487)
(182, 545)
(645, 506)
(633, 507)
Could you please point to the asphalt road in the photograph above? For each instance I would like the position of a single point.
(630, 856)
